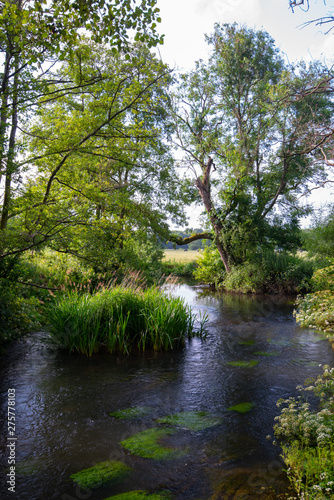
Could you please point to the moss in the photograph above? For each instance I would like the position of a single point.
(243, 364)
(191, 420)
(132, 413)
(146, 444)
(141, 495)
(102, 473)
(266, 353)
(242, 407)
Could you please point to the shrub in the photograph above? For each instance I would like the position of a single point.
(210, 268)
(247, 278)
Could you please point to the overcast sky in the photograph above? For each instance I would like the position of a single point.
(185, 22)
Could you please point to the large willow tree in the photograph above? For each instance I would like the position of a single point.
(255, 133)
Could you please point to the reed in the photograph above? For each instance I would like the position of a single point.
(121, 318)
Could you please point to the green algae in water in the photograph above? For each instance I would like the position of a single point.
(132, 413)
(247, 342)
(242, 407)
(141, 495)
(146, 444)
(102, 473)
(266, 353)
(305, 362)
(243, 364)
(191, 420)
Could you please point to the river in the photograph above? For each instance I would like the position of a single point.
(63, 404)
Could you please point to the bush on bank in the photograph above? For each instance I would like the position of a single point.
(316, 310)
(265, 272)
(307, 437)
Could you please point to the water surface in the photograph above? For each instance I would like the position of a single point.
(64, 403)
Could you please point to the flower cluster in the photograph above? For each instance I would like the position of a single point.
(309, 436)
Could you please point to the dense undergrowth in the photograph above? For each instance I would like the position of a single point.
(307, 438)
(265, 272)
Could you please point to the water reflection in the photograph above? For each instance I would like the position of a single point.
(64, 401)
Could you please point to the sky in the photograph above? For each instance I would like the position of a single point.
(185, 23)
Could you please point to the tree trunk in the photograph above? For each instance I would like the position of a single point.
(10, 167)
(204, 190)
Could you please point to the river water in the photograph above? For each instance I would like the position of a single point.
(63, 406)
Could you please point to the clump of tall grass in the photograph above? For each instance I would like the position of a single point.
(120, 318)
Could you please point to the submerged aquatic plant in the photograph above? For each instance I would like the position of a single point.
(146, 444)
(191, 420)
(242, 407)
(102, 473)
(243, 364)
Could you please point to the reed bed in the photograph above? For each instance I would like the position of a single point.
(120, 319)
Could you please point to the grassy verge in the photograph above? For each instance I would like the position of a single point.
(180, 262)
(307, 437)
(119, 319)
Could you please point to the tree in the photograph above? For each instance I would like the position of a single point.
(103, 177)
(34, 36)
(257, 133)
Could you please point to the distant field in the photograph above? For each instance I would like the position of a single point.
(180, 255)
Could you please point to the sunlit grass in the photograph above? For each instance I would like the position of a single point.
(180, 256)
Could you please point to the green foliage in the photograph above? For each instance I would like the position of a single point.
(146, 444)
(246, 278)
(18, 313)
(268, 271)
(210, 268)
(191, 420)
(323, 279)
(119, 319)
(316, 310)
(255, 117)
(319, 239)
(308, 438)
(102, 473)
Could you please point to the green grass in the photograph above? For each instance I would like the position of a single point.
(120, 319)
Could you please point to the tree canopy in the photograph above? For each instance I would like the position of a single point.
(254, 131)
